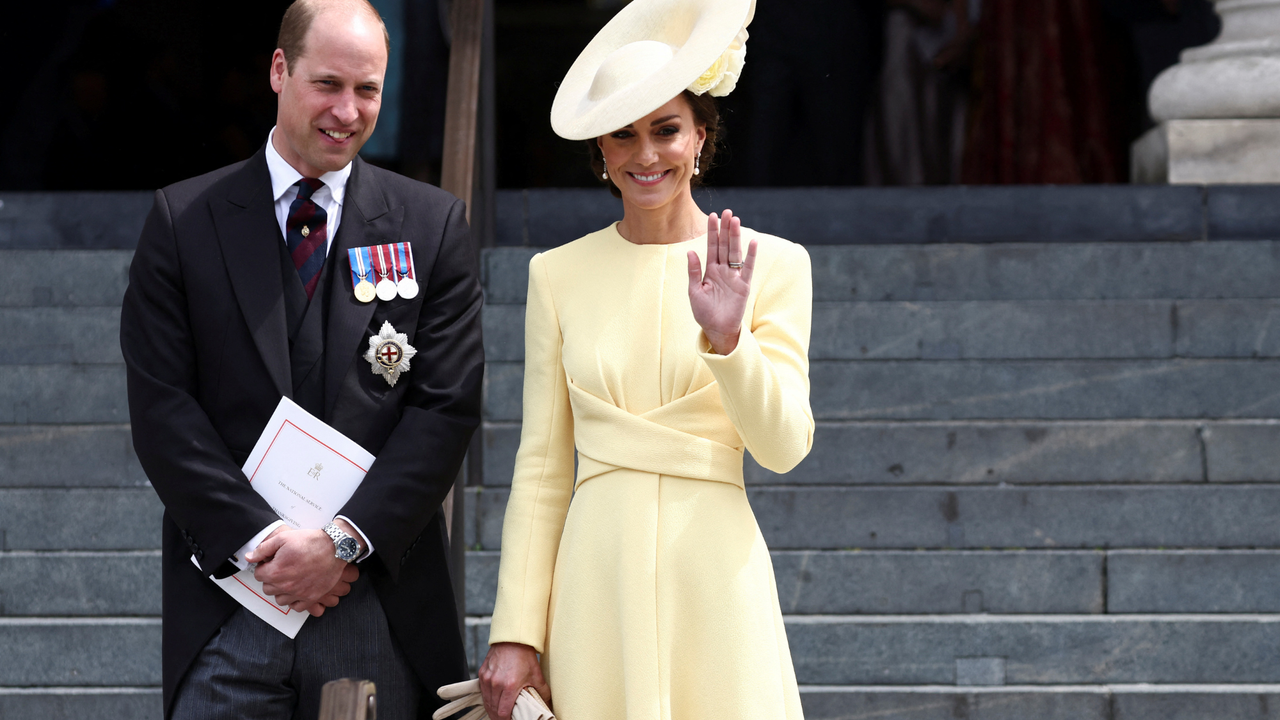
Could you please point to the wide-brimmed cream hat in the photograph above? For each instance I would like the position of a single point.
(647, 54)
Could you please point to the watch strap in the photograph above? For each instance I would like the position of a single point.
(336, 534)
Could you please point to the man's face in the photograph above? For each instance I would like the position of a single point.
(329, 104)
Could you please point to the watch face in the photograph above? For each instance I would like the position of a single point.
(347, 548)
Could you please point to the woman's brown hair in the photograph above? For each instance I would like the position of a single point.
(705, 113)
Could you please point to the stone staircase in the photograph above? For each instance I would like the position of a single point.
(1045, 483)
(79, 524)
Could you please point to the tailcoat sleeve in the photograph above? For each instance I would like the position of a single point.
(186, 460)
(543, 482)
(764, 382)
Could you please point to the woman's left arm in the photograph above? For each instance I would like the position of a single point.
(764, 376)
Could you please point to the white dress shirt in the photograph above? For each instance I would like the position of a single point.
(284, 188)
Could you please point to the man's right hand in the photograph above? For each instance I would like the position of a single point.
(291, 579)
(508, 669)
(349, 575)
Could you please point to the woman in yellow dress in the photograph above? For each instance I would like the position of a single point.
(645, 583)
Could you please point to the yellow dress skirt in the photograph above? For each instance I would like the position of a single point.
(644, 581)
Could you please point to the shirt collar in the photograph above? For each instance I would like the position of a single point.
(284, 176)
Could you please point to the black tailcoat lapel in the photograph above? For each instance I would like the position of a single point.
(246, 226)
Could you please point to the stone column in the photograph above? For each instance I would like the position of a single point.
(1219, 108)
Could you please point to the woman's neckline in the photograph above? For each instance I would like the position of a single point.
(614, 228)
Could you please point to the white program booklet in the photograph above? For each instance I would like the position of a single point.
(306, 471)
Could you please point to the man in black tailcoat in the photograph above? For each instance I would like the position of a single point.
(241, 292)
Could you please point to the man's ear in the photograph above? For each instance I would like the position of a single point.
(279, 70)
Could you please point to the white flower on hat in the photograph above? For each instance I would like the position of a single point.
(722, 77)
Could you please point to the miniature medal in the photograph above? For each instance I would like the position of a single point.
(408, 288)
(389, 353)
(406, 285)
(361, 270)
(386, 288)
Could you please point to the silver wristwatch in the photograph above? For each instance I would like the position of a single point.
(345, 547)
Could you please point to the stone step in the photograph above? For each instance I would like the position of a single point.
(989, 452)
(1200, 581)
(1001, 517)
(80, 519)
(1049, 389)
(1035, 650)
(1042, 702)
(71, 583)
(79, 651)
(1020, 649)
(85, 278)
(901, 582)
(70, 220)
(1013, 271)
(72, 703)
(1004, 330)
(63, 394)
(1121, 271)
(68, 456)
(60, 335)
(1228, 328)
(1033, 329)
(888, 390)
(851, 390)
(550, 217)
(1004, 390)
(1008, 582)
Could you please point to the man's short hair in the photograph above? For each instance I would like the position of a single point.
(297, 22)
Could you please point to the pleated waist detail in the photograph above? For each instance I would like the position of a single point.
(690, 438)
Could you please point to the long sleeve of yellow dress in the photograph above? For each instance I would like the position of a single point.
(764, 382)
(543, 482)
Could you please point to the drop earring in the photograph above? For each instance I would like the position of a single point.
(605, 164)
(697, 163)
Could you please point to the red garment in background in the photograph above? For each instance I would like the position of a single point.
(1050, 107)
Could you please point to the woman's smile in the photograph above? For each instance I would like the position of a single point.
(649, 179)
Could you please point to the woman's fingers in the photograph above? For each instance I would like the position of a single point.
(749, 265)
(735, 238)
(713, 240)
(726, 230)
(507, 670)
(543, 689)
(508, 701)
(695, 270)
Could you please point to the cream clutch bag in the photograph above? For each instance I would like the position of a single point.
(463, 695)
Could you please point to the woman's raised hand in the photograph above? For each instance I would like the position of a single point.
(506, 670)
(719, 297)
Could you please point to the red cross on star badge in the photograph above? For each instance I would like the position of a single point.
(388, 354)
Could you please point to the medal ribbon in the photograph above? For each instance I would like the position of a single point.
(376, 262)
(381, 264)
(361, 265)
(404, 257)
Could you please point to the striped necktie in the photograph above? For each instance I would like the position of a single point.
(306, 234)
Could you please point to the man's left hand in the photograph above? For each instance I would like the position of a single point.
(300, 569)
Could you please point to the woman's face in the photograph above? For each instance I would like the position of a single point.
(652, 160)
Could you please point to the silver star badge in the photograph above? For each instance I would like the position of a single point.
(389, 353)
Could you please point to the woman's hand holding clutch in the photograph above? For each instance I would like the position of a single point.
(508, 669)
(719, 297)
